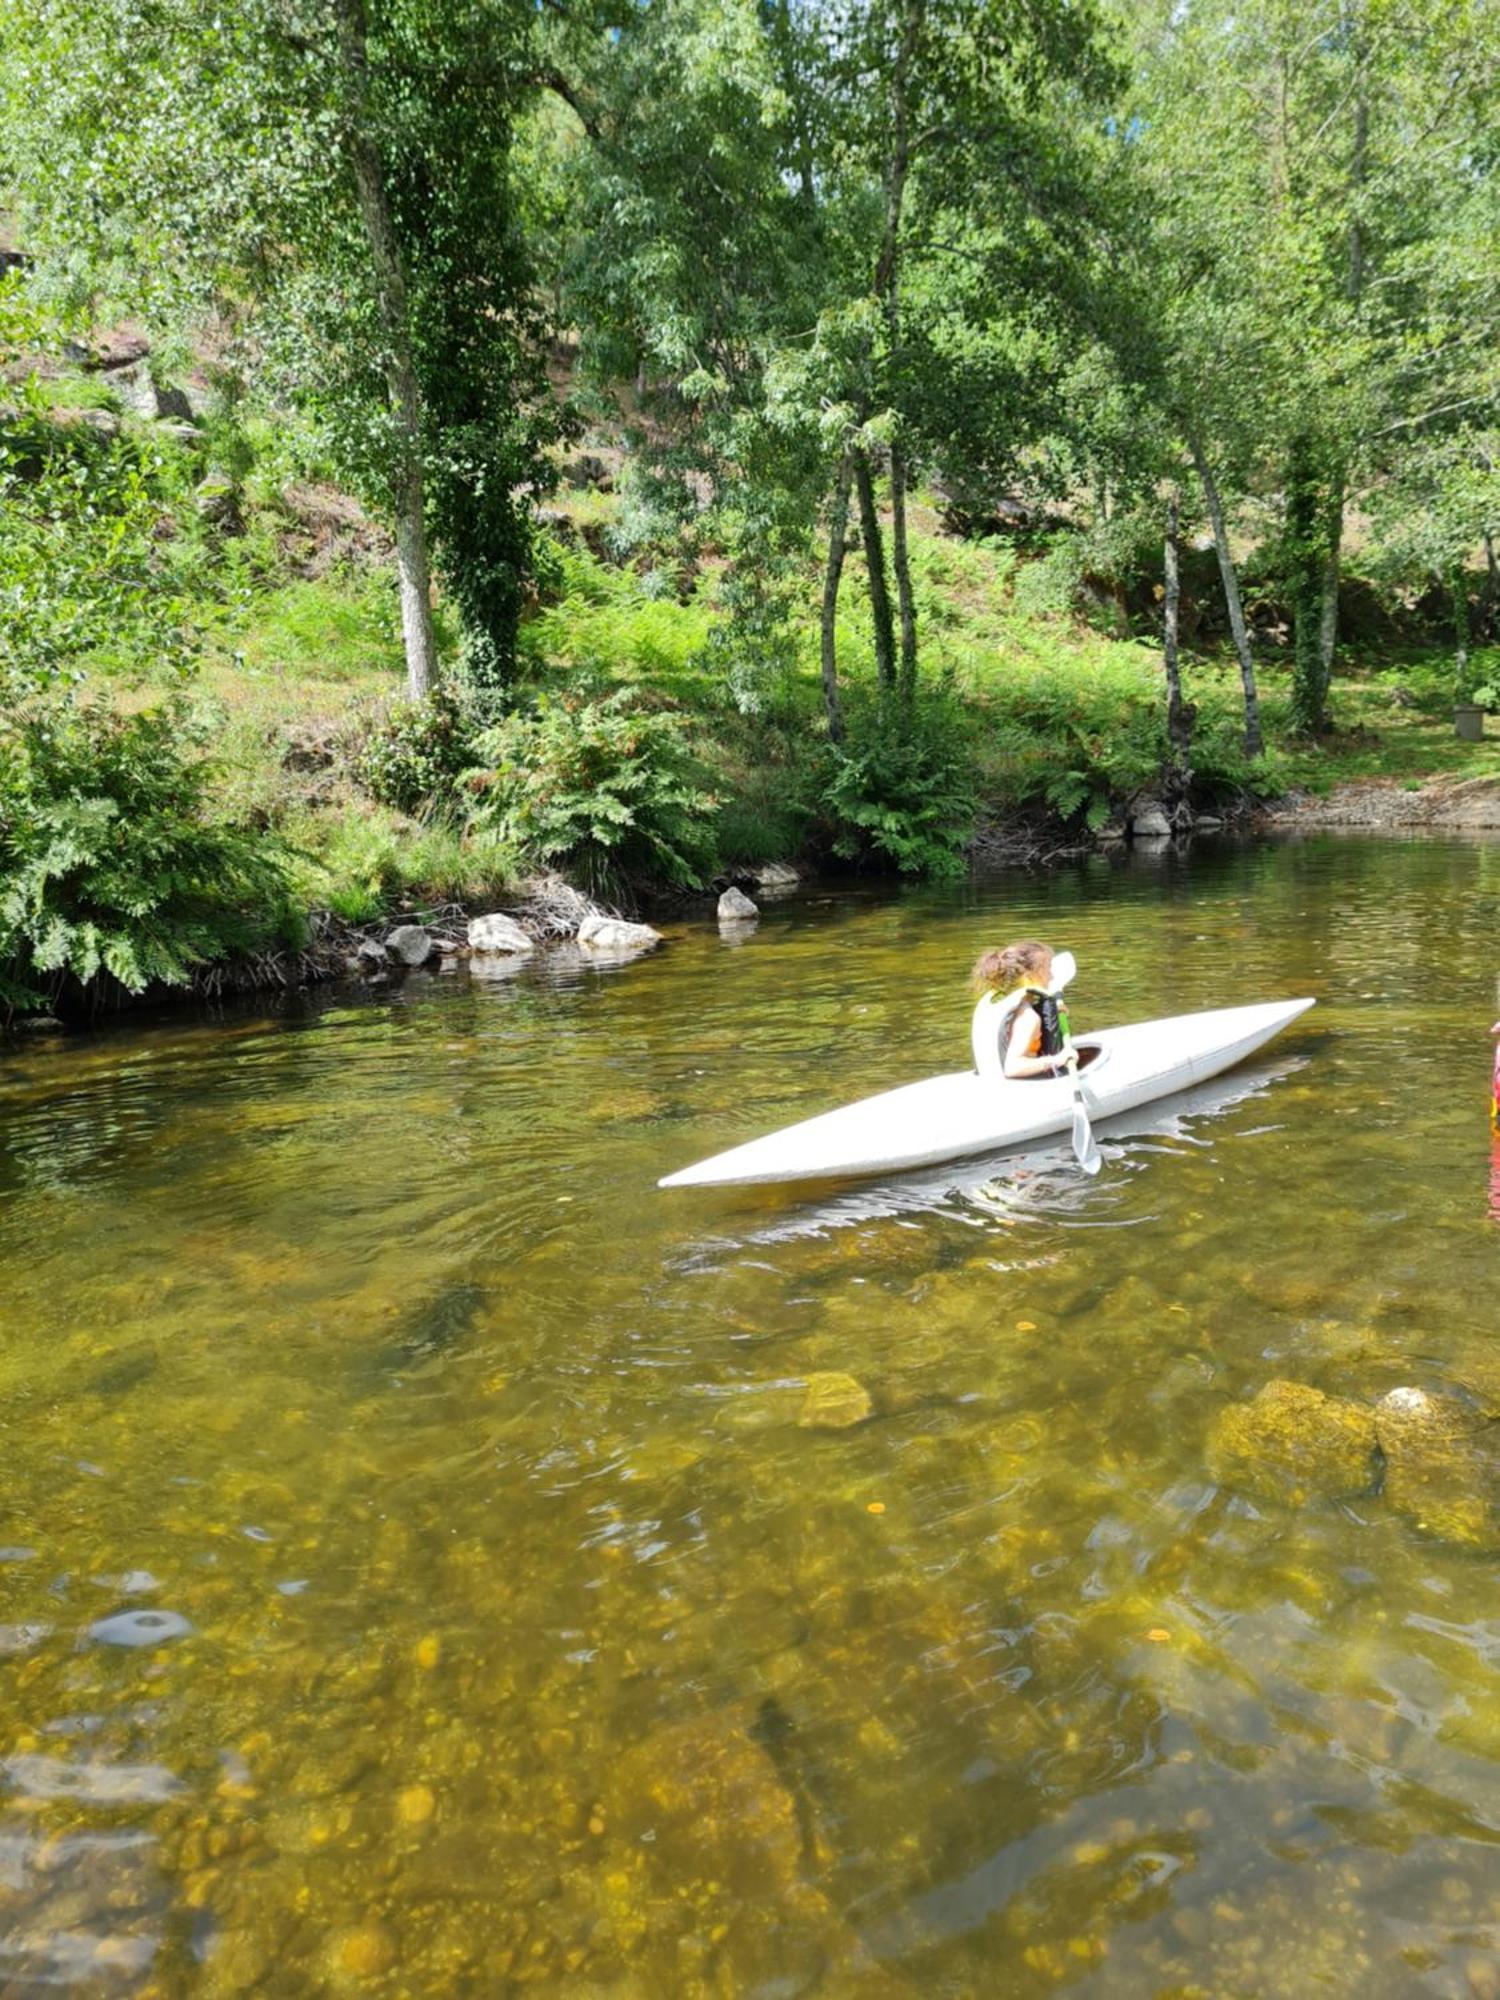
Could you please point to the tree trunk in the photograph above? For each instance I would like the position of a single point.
(880, 596)
(1255, 742)
(1328, 614)
(1490, 601)
(902, 564)
(838, 532)
(1304, 543)
(1179, 720)
(1459, 585)
(400, 369)
(1328, 619)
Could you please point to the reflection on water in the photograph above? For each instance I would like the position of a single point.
(436, 1562)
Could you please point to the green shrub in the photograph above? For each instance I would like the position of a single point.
(598, 784)
(902, 796)
(110, 863)
(413, 756)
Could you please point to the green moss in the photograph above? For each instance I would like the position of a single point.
(1437, 1470)
(1292, 1441)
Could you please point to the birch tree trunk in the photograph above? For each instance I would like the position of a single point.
(838, 532)
(1328, 618)
(1179, 722)
(880, 596)
(400, 370)
(887, 290)
(1255, 742)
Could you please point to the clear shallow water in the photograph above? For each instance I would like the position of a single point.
(535, 1644)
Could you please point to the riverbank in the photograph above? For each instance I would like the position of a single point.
(228, 788)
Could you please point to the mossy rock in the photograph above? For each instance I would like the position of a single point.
(1292, 1440)
(713, 1803)
(834, 1402)
(1442, 1470)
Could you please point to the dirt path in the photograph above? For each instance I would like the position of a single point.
(1446, 804)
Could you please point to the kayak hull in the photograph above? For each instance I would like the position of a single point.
(955, 1117)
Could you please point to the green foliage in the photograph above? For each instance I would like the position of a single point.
(110, 863)
(602, 784)
(604, 625)
(903, 798)
(413, 756)
(367, 862)
(329, 629)
(90, 575)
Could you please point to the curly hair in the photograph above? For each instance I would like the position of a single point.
(1000, 968)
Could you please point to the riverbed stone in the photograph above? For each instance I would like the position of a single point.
(410, 943)
(834, 1402)
(498, 933)
(1440, 1471)
(602, 933)
(775, 875)
(735, 907)
(1292, 1440)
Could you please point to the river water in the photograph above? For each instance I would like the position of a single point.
(423, 1572)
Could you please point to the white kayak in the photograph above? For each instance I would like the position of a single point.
(955, 1117)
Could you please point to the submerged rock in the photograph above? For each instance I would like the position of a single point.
(410, 943)
(1440, 1471)
(498, 933)
(775, 875)
(735, 907)
(714, 1804)
(140, 1628)
(834, 1402)
(602, 933)
(1292, 1439)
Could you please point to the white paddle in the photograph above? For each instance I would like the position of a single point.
(1085, 1146)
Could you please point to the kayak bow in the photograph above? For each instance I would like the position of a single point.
(955, 1117)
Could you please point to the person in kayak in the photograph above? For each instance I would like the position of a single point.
(1020, 1026)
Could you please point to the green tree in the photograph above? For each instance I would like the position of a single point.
(334, 177)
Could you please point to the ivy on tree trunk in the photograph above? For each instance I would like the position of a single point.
(880, 596)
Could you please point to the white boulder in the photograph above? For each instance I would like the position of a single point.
(735, 907)
(602, 933)
(497, 933)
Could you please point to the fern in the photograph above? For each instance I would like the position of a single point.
(110, 862)
(599, 784)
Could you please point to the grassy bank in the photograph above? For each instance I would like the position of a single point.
(649, 741)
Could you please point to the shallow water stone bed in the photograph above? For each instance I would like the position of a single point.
(1433, 1458)
(995, 1583)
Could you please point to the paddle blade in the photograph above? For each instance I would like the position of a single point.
(1085, 1146)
